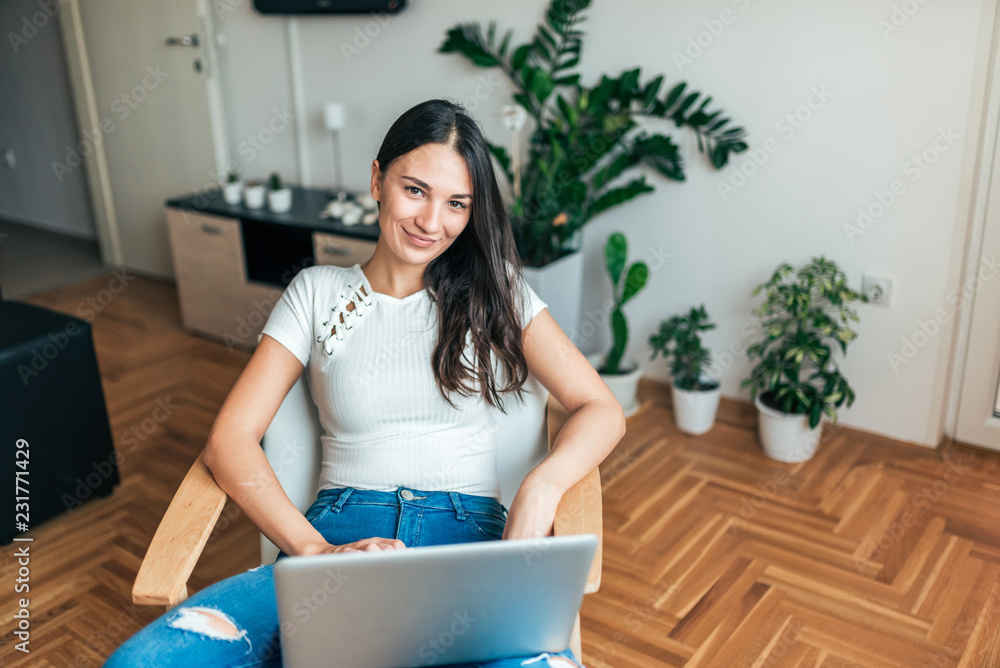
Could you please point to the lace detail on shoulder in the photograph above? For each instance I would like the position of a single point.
(351, 306)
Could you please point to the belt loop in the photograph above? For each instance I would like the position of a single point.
(455, 501)
(343, 497)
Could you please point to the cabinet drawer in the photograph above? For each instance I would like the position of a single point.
(205, 247)
(341, 251)
(208, 265)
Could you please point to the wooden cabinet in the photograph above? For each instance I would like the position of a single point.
(208, 265)
(217, 297)
(341, 251)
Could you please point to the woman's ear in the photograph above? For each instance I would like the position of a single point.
(376, 181)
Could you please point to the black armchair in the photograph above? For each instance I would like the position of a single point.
(54, 430)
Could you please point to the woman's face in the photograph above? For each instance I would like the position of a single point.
(426, 194)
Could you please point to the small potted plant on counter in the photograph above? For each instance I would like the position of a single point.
(621, 374)
(279, 196)
(253, 194)
(232, 192)
(695, 395)
(796, 380)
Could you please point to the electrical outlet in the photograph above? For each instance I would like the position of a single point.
(878, 289)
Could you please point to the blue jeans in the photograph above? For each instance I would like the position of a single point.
(234, 622)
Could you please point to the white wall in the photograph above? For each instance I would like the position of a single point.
(890, 94)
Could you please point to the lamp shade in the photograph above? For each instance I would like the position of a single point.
(333, 116)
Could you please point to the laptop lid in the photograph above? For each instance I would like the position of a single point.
(432, 605)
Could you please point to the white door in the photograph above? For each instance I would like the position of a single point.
(978, 417)
(153, 84)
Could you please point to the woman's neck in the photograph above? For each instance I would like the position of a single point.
(393, 277)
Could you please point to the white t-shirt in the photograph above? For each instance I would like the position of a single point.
(386, 423)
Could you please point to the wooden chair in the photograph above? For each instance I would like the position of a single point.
(292, 447)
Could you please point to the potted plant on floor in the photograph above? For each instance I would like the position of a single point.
(279, 196)
(253, 194)
(232, 192)
(695, 394)
(584, 142)
(796, 380)
(620, 373)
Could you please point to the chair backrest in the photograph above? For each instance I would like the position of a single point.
(292, 445)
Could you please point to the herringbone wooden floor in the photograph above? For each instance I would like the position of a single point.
(875, 553)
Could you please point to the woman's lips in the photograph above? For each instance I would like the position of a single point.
(418, 241)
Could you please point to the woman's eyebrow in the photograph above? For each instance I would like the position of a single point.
(429, 189)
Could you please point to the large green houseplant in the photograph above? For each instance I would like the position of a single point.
(584, 137)
(804, 318)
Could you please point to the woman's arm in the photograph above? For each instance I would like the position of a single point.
(236, 460)
(595, 425)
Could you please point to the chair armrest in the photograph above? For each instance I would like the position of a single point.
(180, 538)
(580, 510)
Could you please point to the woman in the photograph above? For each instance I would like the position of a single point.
(395, 351)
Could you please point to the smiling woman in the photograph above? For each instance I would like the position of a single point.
(407, 358)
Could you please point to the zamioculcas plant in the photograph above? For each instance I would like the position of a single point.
(585, 139)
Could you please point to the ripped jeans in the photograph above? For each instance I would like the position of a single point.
(234, 622)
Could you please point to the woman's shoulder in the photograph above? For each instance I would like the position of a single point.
(327, 277)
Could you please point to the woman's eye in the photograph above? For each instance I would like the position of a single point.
(460, 204)
(411, 190)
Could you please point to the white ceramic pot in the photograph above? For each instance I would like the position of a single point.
(623, 385)
(253, 196)
(784, 437)
(560, 285)
(279, 201)
(232, 192)
(695, 410)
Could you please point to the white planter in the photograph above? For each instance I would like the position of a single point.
(279, 201)
(232, 193)
(560, 286)
(695, 410)
(624, 385)
(253, 197)
(784, 437)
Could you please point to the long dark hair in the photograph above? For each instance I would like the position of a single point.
(470, 281)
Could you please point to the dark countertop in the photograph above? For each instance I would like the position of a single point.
(307, 203)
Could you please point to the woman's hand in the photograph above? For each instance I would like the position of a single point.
(533, 510)
(365, 545)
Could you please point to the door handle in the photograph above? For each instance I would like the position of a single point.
(186, 40)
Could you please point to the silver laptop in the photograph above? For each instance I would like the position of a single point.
(431, 606)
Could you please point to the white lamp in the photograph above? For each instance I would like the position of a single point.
(334, 118)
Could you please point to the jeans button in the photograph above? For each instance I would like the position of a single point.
(407, 494)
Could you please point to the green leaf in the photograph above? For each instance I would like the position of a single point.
(638, 273)
(617, 196)
(541, 85)
(673, 95)
(614, 257)
(468, 40)
(520, 56)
